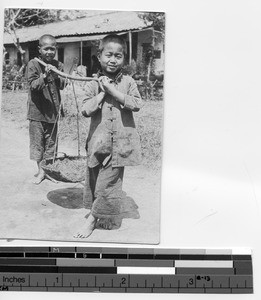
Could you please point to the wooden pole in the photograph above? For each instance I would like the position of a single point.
(64, 75)
(130, 47)
(150, 65)
(151, 58)
(68, 76)
(81, 53)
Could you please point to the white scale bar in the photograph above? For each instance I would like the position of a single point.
(204, 264)
(178, 264)
(241, 251)
(144, 270)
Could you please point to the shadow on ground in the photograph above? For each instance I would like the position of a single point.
(67, 198)
(72, 198)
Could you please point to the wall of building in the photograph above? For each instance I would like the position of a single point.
(159, 46)
(12, 51)
(71, 50)
(145, 37)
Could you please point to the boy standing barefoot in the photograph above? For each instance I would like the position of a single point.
(43, 103)
(113, 141)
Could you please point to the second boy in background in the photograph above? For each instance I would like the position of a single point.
(113, 141)
(44, 102)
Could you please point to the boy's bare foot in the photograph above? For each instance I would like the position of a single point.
(87, 228)
(109, 223)
(36, 174)
(39, 178)
(105, 224)
(39, 169)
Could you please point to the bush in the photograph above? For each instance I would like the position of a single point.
(13, 79)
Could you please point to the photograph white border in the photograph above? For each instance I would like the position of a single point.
(211, 198)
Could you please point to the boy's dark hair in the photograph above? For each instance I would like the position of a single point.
(113, 38)
(46, 37)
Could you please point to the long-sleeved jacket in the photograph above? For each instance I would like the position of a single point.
(44, 93)
(112, 128)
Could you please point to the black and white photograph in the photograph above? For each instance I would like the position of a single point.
(82, 125)
(131, 127)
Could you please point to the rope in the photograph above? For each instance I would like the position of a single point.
(56, 123)
(77, 118)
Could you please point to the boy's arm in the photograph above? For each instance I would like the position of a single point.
(93, 100)
(130, 100)
(36, 80)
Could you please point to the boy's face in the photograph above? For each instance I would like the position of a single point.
(47, 50)
(111, 58)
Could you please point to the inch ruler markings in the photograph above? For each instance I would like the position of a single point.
(126, 270)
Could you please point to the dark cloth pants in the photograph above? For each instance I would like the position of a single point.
(42, 140)
(109, 200)
(106, 187)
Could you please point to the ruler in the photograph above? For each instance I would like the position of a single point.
(125, 270)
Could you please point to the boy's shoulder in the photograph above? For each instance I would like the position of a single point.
(123, 76)
(127, 78)
(54, 62)
(34, 63)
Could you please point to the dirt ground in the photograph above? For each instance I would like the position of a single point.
(51, 211)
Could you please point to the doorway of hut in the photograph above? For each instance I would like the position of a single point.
(33, 50)
(87, 59)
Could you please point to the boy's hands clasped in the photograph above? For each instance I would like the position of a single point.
(108, 87)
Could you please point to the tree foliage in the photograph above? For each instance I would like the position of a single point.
(155, 19)
(15, 18)
(22, 17)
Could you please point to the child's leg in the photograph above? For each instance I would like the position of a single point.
(38, 169)
(36, 136)
(108, 198)
(39, 177)
(87, 228)
(89, 186)
(50, 145)
(89, 225)
(108, 192)
(112, 204)
(50, 142)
